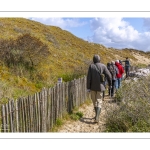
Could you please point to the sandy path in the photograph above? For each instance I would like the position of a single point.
(86, 124)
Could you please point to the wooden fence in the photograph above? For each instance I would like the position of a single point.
(39, 112)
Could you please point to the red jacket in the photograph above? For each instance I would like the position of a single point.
(120, 69)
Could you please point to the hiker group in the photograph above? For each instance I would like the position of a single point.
(99, 76)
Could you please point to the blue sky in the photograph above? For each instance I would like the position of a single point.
(110, 32)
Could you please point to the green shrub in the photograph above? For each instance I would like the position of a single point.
(59, 122)
(80, 114)
(133, 112)
(76, 116)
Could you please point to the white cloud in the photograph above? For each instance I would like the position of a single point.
(61, 22)
(113, 31)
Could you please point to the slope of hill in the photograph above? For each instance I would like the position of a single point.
(33, 55)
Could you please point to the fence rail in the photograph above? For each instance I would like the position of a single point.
(39, 112)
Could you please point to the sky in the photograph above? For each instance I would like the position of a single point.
(111, 32)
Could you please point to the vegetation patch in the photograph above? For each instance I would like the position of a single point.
(133, 112)
(76, 116)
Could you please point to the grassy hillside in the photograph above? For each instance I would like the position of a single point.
(33, 55)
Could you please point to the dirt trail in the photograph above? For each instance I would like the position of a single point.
(86, 124)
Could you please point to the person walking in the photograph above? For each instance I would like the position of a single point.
(114, 71)
(127, 66)
(95, 84)
(122, 67)
(119, 75)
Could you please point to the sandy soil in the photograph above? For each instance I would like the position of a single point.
(86, 124)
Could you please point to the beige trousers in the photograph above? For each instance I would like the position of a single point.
(97, 97)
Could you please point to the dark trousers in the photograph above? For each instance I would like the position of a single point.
(112, 90)
(127, 71)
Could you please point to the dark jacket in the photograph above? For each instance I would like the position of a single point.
(127, 63)
(114, 71)
(93, 77)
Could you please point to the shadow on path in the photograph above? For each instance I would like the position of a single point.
(87, 120)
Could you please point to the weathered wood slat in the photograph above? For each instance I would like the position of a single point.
(75, 92)
(84, 90)
(28, 113)
(3, 125)
(36, 111)
(81, 90)
(39, 115)
(67, 97)
(48, 108)
(25, 114)
(7, 118)
(13, 115)
(61, 100)
(43, 111)
(52, 108)
(17, 116)
(55, 104)
(77, 88)
(10, 114)
(31, 113)
(35, 116)
(57, 101)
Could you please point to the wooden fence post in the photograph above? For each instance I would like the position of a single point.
(45, 107)
(52, 108)
(31, 113)
(57, 101)
(39, 112)
(17, 119)
(7, 118)
(55, 105)
(13, 115)
(67, 97)
(43, 112)
(63, 99)
(60, 99)
(35, 113)
(10, 114)
(48, 109)
(3, 125)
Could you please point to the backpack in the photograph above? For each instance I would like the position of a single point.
(114, 71)
(102, 76)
